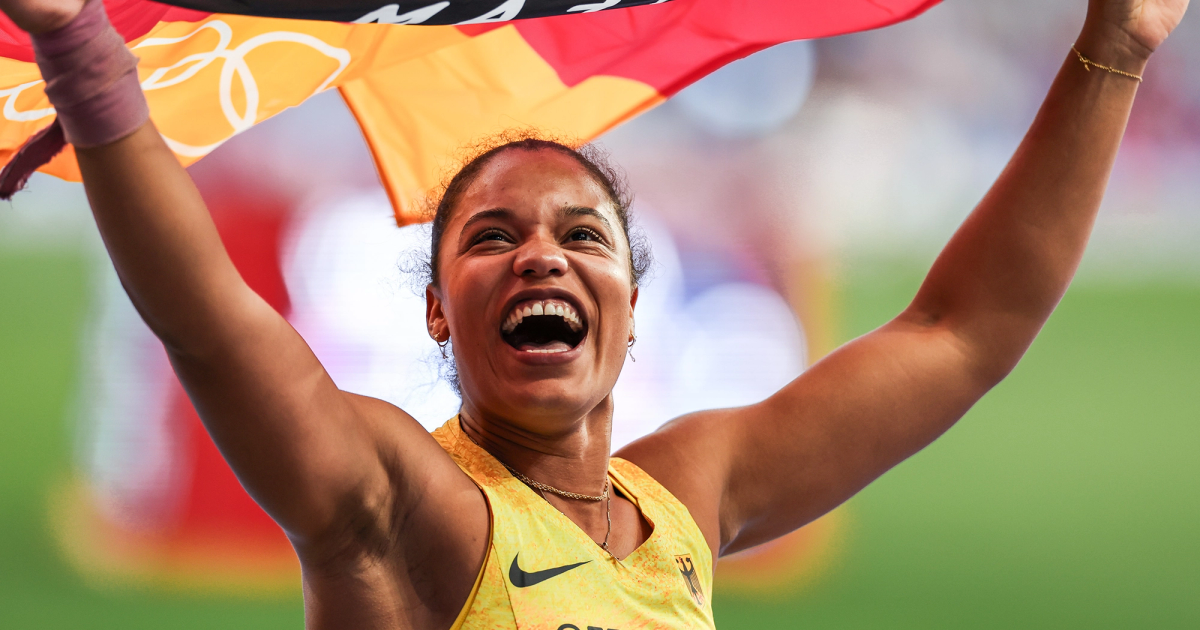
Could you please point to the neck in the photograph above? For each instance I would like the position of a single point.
(572, 456)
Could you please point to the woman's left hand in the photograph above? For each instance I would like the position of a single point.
(1140, 25)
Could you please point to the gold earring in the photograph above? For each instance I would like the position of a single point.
(437, 338)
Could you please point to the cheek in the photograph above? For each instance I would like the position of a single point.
(613, 292)
(469, 285)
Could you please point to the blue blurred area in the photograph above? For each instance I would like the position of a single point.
(754, 96)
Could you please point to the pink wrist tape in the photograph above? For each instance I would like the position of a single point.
(91, 79)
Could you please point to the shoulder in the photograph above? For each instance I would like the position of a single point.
(690, 457)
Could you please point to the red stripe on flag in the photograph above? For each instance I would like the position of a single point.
(131, 18)
(669, 46)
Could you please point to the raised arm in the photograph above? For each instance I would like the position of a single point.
(777, 465)
(314, 457)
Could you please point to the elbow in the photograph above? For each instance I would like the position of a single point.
(987, 351)
(991, 373)
(990, 361)
(178, 338)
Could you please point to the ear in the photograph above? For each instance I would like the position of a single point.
(633, 298)
(435, 316)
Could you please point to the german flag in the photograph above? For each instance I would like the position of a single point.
(423, 78)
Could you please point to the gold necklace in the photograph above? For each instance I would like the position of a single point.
(552, 490)
(544, 488)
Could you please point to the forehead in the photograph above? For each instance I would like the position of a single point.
(536, 182)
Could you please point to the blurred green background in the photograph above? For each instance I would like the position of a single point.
(1068, 498)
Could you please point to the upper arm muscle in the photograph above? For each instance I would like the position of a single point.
(300, 446)
(755, 473)
(843, 423)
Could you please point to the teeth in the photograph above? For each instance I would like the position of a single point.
(543, 307)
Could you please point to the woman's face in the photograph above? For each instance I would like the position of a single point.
(535, 291)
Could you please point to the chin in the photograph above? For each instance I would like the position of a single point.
(549, 401)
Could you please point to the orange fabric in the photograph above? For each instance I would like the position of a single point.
(418, 92)
(416, 114)
(208, 80)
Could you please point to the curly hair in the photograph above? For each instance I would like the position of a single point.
(593, 159)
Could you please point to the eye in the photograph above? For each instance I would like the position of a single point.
(584, 234)
(490, 235)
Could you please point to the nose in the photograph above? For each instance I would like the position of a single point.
(539, 258)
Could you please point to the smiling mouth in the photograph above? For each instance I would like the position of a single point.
(543, 326)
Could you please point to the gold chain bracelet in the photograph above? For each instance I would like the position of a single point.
(1088, 64)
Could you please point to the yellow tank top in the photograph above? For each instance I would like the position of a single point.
(542, 572)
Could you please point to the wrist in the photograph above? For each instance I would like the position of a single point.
(91, 79)
(1113, 46)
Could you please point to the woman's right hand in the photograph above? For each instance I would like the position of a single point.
(40, 16)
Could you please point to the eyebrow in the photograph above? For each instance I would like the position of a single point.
(565, 211)
(584, 211)
(494, 213)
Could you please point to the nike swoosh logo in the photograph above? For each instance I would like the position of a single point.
(522, 579)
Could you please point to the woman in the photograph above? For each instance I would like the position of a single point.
(514, 513)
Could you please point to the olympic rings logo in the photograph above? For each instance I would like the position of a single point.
(10, 104)
(234, 65)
